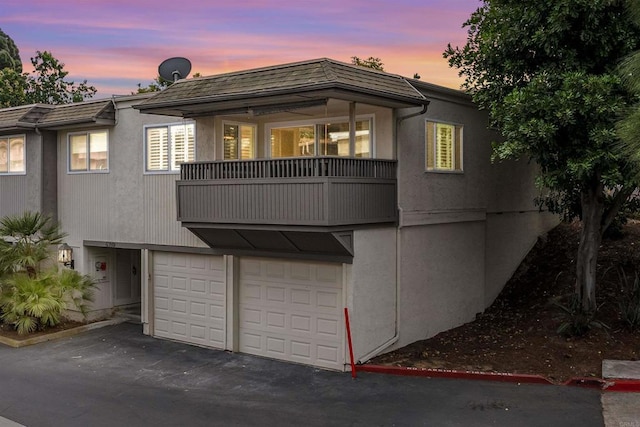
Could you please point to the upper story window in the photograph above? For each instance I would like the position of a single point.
(89, 151)
(329, 138)
(167, 146)
(443, 147)
(12, 154)
(239, 141)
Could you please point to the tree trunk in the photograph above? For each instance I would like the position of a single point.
(590, 239)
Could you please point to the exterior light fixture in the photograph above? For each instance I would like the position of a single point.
(65, 256)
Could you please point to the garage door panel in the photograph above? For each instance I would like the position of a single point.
(189, 298)
(291, 310)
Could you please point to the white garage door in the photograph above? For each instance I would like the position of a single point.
(189, 298)
(292, 310)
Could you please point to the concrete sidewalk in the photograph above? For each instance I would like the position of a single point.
(117, 376)
(621, 409)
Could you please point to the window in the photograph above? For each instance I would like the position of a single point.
(322, 139)
(89, 151)
(239, 141)
(12, 154)
(166, 147)
(444, 147)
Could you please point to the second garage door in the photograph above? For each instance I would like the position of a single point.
(189, 298)
(292, 310)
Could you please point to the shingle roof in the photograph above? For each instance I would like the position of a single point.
(22, 117)
(51, 116)
(81, 112)
(300, 77)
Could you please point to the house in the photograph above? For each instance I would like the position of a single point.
(245, 211)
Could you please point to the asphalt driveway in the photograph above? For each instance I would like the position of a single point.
(115, 376)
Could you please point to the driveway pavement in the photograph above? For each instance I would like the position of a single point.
(115, 376)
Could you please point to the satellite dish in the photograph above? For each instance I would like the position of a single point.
(173, 69)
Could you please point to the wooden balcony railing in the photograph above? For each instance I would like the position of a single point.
(301, 167)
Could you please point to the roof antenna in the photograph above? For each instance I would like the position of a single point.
(174, 69)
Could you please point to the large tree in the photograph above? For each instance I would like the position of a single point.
(47, 84)
(9, 54)
(545, 71)
(629, 126)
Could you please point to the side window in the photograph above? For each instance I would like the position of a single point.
(443, 147)
(239, 141)
(88, 151)
(12, 155)
(167, 146)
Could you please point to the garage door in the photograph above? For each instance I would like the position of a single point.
(292, 311)
(189, 298)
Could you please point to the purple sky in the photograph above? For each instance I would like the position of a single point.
(117, 44)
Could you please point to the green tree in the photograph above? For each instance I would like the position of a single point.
(371, 62)
(545, 71)
(629, 126)
(32, 294)
(13, 88)
(47, 83)
(9, 54)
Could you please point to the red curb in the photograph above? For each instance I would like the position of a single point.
(632, 386)
(621, 385)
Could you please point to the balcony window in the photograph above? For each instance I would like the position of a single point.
(239, 141)
(168, 146)
(12, 154)
(322, 139)
(89, 151)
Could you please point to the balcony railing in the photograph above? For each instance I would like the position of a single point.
(319, 191)
(303, 167)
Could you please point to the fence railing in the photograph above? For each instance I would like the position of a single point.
(304, 167)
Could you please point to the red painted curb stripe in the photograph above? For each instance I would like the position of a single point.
(622, 385)
(606, 385)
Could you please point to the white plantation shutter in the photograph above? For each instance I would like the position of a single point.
(444, 146)
(182, 145)
(157, 148)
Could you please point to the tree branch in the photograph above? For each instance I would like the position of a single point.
(621, 196)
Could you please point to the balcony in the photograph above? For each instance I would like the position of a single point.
(294, 193)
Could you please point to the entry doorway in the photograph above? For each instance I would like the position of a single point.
(127, 289)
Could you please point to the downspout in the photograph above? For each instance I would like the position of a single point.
(396, 334)
(425, 106)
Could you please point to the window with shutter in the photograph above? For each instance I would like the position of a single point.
(168, 146)
(443, 146)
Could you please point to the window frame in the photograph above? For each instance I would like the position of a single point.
(170, 145)
(318, 122)
(240, 125)
(24, 154)
(431, 147)
(88, 147)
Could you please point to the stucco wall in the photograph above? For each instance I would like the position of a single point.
(371, 289)
(510, 236)
(441, 278)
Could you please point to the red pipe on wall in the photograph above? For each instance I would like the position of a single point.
(346, 321)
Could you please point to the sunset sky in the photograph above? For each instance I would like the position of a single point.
(117, 44)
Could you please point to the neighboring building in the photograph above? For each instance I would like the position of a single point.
(245, 211)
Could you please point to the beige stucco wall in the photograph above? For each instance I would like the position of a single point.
(371, 289)
(441, 278)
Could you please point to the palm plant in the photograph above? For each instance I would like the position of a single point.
(26, 241)
(32, 298)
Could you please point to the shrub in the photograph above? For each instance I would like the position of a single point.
(31, 299)
(629, 299)
(577, 322)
